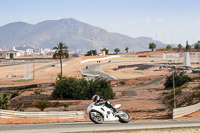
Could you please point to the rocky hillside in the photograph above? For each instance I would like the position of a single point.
(76, 34)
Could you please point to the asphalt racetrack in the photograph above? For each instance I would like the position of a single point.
(89, 126)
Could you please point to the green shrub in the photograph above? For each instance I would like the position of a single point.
(122, 82)
(14, 94)
(123, 93)
(42, 104)
(165, 93)
(66, 105)
(81, 89)
(4, 101)
(20, 106)
(38, 91)
(179, 79)
(196, 88)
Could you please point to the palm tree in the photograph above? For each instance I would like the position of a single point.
(42, 104)
(61, 51)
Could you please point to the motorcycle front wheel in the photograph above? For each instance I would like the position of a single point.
(123, 117)
(96, 117)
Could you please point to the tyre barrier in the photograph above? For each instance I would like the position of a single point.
(142, 56)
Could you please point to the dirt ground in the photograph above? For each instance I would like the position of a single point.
(141, 102)
(35, 120)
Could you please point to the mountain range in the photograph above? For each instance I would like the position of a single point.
(75, 34)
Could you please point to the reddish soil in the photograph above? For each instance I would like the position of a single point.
(35, 120)
(146, 105)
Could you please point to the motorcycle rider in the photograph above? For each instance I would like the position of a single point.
(96, 99)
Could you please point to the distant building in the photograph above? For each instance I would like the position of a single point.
(38, 51)
(29, 52)
(8, 54)
(47, 51)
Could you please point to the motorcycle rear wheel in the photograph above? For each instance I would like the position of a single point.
(123, 117)
(97, 119)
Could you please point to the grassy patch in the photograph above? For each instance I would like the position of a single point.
(23, 80)
(186, 99)
(196, 88)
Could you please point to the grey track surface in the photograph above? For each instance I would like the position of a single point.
(25, 62)
(148, 83)
(50, 65)
(95, 69)
(89, 126)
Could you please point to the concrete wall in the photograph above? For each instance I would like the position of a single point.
(58, 115)
(179, 112)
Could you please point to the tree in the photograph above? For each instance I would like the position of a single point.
(4, 101)
(187, 47)
(81, 89)
(169, 47)
(117, 50)
(126, 49)
(197, 46)
(180, 47)
(42, 104)
(61, 52)
(152, 46)
(179, 79)
(91, 52)
(105, 49)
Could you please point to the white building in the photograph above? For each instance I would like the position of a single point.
(47, 51)
(29, 52)
(8, 54)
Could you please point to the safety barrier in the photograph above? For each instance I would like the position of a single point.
(179, 112)
(57, 115)
(97, 59)
(21, 87)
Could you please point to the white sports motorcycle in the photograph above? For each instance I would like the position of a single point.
(100, 113)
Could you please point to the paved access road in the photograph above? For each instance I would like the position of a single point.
(89, 126)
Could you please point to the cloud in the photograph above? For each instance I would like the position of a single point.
(148, 20)
(159, 20)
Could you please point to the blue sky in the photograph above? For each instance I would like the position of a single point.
(170, 21)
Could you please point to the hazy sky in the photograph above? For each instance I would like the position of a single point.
(170, 21)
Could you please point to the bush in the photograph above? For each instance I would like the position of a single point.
(122, 82)
(66, 105)
(42, 104)
(4, 101)
(81, 89)
(179, 79)
(20, 106)
(14, 94)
